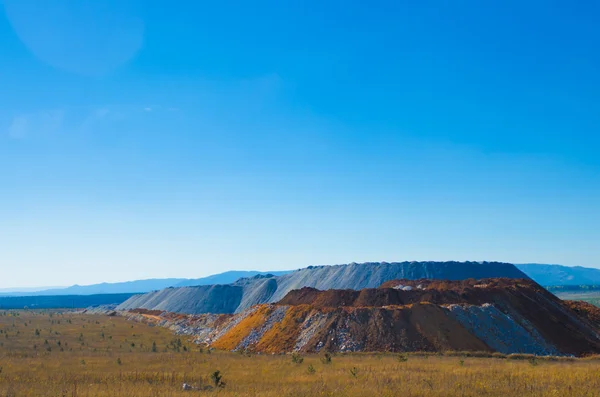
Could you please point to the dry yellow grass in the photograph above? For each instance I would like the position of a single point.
(109, 356)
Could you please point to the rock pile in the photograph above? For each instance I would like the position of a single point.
(494, 315)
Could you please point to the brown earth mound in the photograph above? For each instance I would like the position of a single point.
(403, 292)
(419, 327)
(586, 310)
(566, 329)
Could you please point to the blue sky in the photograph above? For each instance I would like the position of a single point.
(144, 139)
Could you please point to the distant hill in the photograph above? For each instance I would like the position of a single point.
(139, 286)
(246, 292)
(560, 275)
(27, 289)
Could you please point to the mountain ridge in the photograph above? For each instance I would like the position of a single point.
(140, 286)
(544, 274)
(560, 275)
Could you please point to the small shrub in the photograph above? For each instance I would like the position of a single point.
(354, 372)
(429, 383)
(297, 359)
(402, 358)
(326, 359)
(311, 369)
(217, 379)
(533, 361)
(520, 356)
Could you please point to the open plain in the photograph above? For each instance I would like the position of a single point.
(46, 353)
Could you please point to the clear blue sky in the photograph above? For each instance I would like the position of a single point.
(179, 139)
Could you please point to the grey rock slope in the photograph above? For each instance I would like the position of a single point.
(246, 292)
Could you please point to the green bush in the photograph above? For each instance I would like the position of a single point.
(297, 358)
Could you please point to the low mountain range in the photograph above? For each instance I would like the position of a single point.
(547, 275)
(561, 275)
(138, 286)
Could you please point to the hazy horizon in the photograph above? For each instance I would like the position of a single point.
(145, 140)
(43, 288)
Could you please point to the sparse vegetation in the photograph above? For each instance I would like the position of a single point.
(216, 377)
(326, 359)
(296, 358)
(107, 367)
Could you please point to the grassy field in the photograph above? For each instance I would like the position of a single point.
(53, 354)
(592, 297)
(586, 293)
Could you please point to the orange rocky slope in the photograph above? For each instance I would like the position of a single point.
(504, 315)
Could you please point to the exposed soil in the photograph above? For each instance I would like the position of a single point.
(586, 310)
(522, 300)
(396, 293)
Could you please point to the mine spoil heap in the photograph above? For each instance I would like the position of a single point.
(247, 292)
(494, 315)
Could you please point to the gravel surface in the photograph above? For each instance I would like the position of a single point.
(500, 331)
